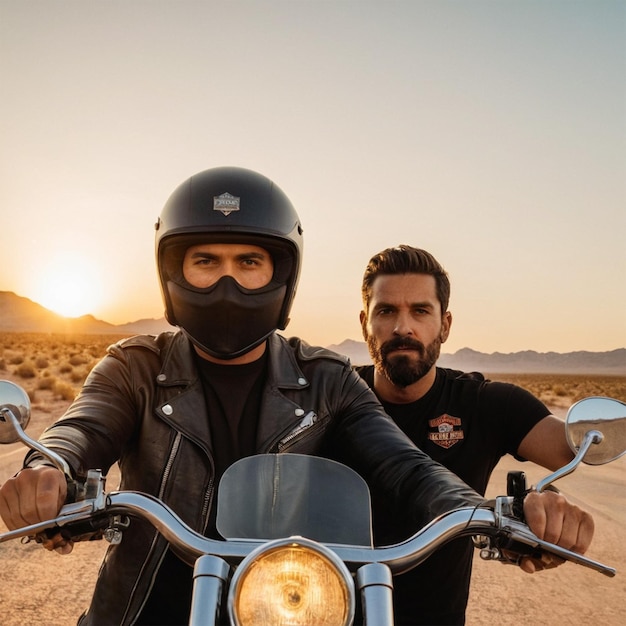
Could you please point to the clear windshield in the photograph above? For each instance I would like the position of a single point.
(270, 496)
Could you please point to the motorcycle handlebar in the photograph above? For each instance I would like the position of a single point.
(190, 545)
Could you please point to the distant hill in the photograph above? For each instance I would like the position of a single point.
(528, 361)
(19, 314)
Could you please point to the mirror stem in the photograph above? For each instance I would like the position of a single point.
(59, 462)
(591, 437)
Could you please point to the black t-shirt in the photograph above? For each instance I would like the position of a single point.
(467, 424)
(233, 397)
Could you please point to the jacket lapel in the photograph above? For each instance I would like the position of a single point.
(279, 414)
(180, 397)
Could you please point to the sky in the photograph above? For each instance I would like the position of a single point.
(490, 132)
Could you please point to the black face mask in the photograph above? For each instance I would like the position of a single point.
(226, 320)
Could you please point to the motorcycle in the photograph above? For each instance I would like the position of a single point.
(297, 530)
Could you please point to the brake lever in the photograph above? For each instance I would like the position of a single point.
(82, 511)
(519, 532)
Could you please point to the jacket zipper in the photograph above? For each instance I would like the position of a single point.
(206, 505)
(170, 462)
(166, 473)
(309, 425)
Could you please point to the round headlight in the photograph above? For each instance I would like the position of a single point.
(292, 582)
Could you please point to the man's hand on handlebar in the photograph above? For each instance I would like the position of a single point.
(32, 496)
(552, 518)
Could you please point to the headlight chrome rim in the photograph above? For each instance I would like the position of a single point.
(337, 566)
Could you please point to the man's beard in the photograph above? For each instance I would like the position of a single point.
(403, 370)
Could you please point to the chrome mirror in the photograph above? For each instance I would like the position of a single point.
(14, 408)
(596, 433)
(14, 417)
(606, 418)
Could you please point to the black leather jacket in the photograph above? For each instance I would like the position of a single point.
(143, 406)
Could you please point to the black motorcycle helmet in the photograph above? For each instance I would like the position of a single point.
(228, 205)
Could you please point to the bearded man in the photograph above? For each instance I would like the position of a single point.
(461, 420)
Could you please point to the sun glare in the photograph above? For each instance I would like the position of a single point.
(69, 287)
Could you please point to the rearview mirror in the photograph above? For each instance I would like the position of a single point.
(13, 400)
(14, 417)
(596, 433)
(602, 415)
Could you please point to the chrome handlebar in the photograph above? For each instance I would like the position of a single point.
(400, 557)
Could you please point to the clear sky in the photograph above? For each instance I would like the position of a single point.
(491, 133)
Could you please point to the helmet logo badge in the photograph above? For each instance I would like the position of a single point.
(226, 203)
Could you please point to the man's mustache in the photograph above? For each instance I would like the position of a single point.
(398, 343)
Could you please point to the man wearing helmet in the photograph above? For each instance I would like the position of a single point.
(177, 409)
(255, 212)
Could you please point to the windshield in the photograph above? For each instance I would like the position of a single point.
(269, 496)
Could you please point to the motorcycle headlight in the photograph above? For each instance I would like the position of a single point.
(291, 582)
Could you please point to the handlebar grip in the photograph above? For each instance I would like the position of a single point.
(85, 530)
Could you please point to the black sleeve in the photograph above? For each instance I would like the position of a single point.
(512, 411)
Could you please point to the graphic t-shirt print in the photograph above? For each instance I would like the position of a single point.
(445, 430)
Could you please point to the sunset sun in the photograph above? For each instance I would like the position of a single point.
(69, 287)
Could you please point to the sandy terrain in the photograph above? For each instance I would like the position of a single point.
(37, 587)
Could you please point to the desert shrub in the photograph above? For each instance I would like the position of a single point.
(25, 370)
(568, 388)
(46, 382)
(65, 368)
(41, 362)
(97, 352)
(16, 359)
(78, 375)
(64, 391)
(77, 359)
(3, 365)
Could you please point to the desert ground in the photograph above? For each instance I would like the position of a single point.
(38, 587)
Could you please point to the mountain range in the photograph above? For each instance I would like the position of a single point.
(611, 363)
(19, 314)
